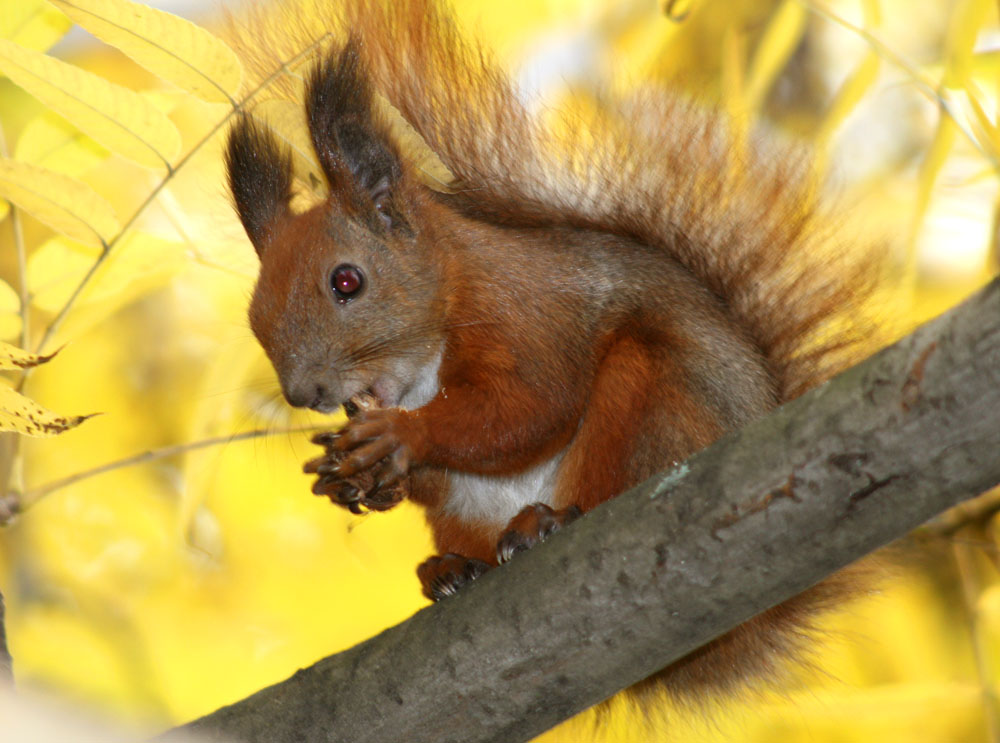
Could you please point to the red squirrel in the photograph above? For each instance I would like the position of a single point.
(576, 313)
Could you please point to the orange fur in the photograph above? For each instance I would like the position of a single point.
(575, 315)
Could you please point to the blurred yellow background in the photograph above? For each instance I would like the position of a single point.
(158, 592)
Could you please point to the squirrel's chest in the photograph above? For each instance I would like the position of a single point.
(489, 499)
(497, 499)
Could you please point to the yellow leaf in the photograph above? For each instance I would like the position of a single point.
(931, 167)
(986, 132)
(966, 21)
(173, 48)
(10, 309)
(776, 46)
(33, 24)
(733, 79)
(431, 171)
(166, 100)
(65, 204)
(12, 357)
(986, 64)
(676, 10)
(288, 121)
(233, 257)
(4, 209)
(118, 118)
(23, 415)
(138, 263)
(51, 142)
(849, 96)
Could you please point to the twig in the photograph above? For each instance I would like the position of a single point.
(22, 260)
(32, 496)
(6, 664)
(13, 479)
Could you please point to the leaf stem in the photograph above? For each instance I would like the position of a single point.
(22, 258)
(6, 672)
(22, 274)
(15, 472)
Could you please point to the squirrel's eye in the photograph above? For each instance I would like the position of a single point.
(347, 281)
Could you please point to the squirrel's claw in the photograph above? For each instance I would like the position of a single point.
(367, 440)
(443, 575)
(365, 465)
(368, 426)
(397, 466)
(325, 438)
(340, 492)
(533, 524)
(367, 456)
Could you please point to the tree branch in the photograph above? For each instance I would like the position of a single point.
(653, 574)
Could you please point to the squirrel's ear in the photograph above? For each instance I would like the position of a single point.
(352, 145)
(260, 178)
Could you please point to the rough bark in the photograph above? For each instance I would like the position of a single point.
(646, 578)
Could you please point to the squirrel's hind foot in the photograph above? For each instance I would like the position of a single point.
(533, 524)
(443, 575)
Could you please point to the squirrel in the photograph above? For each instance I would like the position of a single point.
(577, 312)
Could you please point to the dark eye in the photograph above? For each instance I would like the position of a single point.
(347, 282)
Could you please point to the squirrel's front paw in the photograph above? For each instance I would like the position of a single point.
(375, 441)
(532, 525)
(355, 492)
(443, 575)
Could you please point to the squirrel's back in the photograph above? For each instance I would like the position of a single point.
(742, 213)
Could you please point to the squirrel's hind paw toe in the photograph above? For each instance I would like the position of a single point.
(533, 524)
(443, 575)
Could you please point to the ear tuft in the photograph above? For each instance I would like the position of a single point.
(353, 147)
(260, 178)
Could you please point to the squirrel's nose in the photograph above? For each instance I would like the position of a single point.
(306, 395)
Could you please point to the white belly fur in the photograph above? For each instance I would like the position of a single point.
(484, 498)
(497, 499)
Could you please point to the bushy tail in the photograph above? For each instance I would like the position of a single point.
(740, 213)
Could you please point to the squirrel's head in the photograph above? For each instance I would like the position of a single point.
(348, 299)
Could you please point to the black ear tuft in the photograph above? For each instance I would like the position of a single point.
(260, 178)
(353, 147)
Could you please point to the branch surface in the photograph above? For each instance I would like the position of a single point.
(653, 574)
